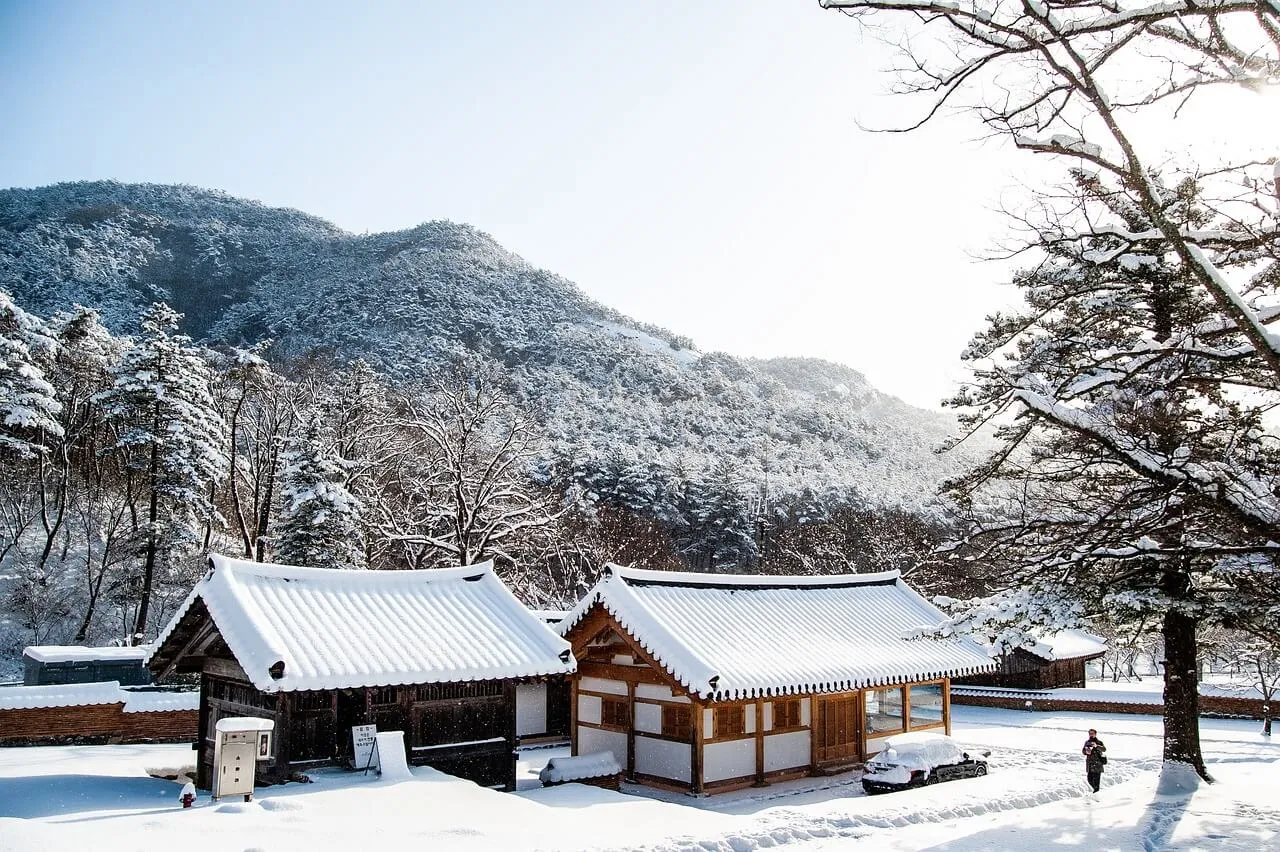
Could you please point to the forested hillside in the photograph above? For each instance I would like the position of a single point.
(631, 437)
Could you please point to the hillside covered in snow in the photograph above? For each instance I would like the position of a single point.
(626, 407)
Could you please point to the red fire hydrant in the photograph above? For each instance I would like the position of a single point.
(188, 795)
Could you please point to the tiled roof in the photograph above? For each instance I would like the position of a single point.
(729, 637)
(1068, 645)
(336, 629)
(60, 695)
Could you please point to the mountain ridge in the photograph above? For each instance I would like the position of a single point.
(609, 389)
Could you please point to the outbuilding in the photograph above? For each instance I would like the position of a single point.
(48, 665)
(1056, 660)
(705, 682)
(438, 654)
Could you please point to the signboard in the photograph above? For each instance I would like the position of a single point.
(362, 742)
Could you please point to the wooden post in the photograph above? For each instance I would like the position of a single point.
(573, 716)
(203, 779)
(509, 697)
(815, 730)
(283, 715)
(946, 705)
(631, 730)
(695, 752)
(906, 708)
(760, 782)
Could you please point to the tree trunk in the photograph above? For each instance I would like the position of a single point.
(149, 564)
(1181, 683)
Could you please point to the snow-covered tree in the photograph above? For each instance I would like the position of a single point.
(1136, 476)
(167, 430)
(319, 522)
(29, 407)
(469, 493)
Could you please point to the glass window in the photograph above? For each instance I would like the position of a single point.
(926, 705)
(884, 711)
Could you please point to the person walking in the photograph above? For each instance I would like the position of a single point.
(1095, 757)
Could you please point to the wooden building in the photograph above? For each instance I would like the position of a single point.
(438, 654)
(47, 665)
(1055, 661)
(706, 682)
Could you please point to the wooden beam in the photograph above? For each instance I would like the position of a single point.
(219, 667)
(629, 674)
(597, 619)
(201, 626)
(815, 730)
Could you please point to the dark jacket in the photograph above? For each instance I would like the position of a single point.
(1094, 752)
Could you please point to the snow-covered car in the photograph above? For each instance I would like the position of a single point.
(914, 760)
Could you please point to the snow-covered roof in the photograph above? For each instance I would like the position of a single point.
(156, 701)
(729, 637)
(60, 695)
(560, 770)
(339, 629)
(82, 654)
(1068, 645)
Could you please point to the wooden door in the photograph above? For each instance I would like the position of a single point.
(837, 729)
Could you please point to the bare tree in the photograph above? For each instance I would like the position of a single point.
(467, 494)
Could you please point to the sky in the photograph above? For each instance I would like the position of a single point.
(700, 166)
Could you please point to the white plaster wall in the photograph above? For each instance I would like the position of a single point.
(768, 715)
(531, 708)
(786, 751)
(596, 684)
(648, 717)
(589, 708)
(592, 740)
(806, 712)
(662, 693)
(662, 758)
(728, 760)
(749, 719)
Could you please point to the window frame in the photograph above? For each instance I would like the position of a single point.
(677, 722)
(784, 720)
(731, 717)
(611, 709)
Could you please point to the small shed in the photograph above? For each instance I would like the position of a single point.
(437, 654)
(47, 665)
(1056, 661)
(707, 682)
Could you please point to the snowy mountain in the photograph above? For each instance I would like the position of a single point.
(625, 404)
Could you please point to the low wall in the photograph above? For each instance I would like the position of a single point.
(95, 713)
(1210, 705)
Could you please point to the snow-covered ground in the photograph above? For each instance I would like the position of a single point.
(100, 798)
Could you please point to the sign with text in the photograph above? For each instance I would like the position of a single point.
(362, 740)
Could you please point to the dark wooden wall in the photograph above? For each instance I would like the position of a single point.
(1024, 670)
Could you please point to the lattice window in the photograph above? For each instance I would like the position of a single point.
(677, 721)
(730, 721)
(384, 695)
(786, 714)
(613, 713)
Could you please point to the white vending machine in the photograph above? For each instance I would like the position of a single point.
(238, 745)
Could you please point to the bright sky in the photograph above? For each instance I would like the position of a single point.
(694, 165)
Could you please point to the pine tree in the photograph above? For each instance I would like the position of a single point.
(28, 405)
(319, 518)
(172, 440)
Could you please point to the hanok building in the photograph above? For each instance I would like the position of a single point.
(438, 654)
(708, 682)
(1055, 661)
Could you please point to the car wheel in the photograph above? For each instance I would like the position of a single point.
(980, 770)
(932, 779)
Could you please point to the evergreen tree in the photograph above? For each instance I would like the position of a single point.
(172, 439)
(319, 518)
(28, 405)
